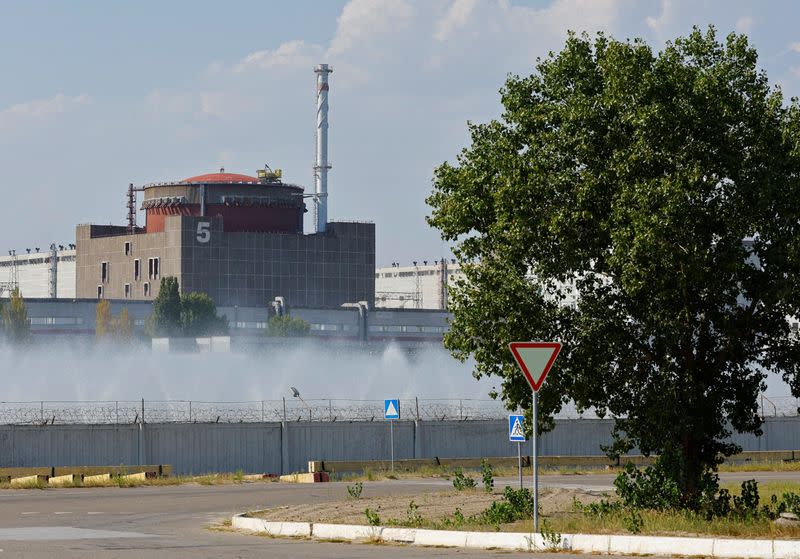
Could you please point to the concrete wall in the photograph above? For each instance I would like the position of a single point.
(281, 448)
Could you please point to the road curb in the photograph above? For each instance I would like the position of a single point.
(722, 548)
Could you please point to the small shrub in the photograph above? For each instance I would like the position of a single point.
(552, 539)
(633, 521)
(603, 508)
(746, 504)
(413, 517)
(238, 476)
(372, 517)
(651, 488)
(355, 490)
(462, 482)
(488, 476)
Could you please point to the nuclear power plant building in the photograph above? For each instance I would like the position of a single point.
(235, 237)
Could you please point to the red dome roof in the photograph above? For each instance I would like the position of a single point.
(222, 178)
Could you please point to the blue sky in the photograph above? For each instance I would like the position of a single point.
(97, 94)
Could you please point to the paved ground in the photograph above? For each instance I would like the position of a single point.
(174, 521)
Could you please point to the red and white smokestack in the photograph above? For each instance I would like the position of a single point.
(321, 164)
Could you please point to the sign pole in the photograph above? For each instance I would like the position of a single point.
(535, 464)
(391, 436)
(519, 463)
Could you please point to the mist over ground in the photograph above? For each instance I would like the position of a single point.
(67, 373)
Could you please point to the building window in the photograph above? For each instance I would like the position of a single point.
(136, 270)
(104, 272)
(153, 268)
(99, 291)
(146, 289)
(127, 248)
(127, 291)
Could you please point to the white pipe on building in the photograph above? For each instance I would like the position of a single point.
(321, 164)
(53, 291)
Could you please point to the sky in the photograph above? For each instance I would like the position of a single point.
(95, 95)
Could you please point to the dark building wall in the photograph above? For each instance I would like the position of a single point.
(251, 269)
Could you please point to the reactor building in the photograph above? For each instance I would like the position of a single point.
(236, 237)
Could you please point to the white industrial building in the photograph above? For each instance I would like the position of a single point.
(422, 285)
(48, 274)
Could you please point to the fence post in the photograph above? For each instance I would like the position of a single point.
(141, 437)
(416, 401)
(190, 411)
(284, 409)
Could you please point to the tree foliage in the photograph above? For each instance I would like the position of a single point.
(285, 326)
(199, 316)
(642, 208)
(108, 326)
(166, 318)
(16, 325)
(188, 314)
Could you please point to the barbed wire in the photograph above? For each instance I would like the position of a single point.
(315, 410)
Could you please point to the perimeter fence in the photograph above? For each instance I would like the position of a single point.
(285, 409)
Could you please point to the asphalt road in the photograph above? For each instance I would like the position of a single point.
(177, 521)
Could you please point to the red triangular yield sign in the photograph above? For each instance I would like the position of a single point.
(535, 360)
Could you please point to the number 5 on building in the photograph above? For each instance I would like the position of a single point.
(203, 231)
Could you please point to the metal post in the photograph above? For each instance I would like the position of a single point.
(519, 462)
(330, 411)
(116, 410)
(416, 400)
(391, 437)
(190, 411)
(535, 465)
(262, 411)
(41, 410)
(284, 409)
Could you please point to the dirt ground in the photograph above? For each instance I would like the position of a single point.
(432, 506)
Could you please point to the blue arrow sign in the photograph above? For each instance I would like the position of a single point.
(516, 428)
(391, 409)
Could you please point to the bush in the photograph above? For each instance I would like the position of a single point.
(651, 488)
(462, 482)
(372, 517)
(488, 476)
(355, 490)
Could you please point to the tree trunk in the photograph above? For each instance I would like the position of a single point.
(692, 469)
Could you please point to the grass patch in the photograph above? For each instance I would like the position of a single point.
(669, 523)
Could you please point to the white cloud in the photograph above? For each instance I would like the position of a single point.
(658, 24)
(455, 18)
(289, 54)
(794, 47)
(40, 109)
(362, 20)
(744, 24)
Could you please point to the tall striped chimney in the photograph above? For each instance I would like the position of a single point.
(321, 164)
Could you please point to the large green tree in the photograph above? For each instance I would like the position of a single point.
(643, 209)
(166, 317)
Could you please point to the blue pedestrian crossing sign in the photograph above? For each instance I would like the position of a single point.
(516, 428)
(391, 409)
